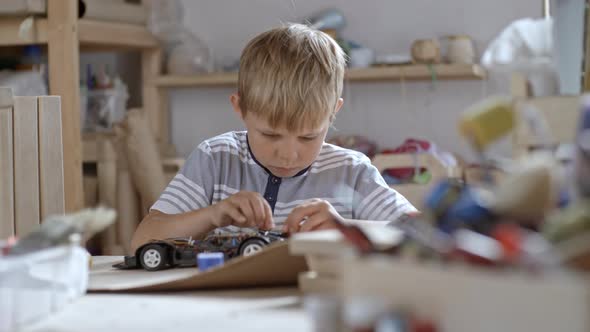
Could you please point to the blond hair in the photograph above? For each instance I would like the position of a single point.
(291, 76)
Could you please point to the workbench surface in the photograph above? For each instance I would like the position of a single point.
(254, 309)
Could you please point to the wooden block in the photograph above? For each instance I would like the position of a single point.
(51, 168)
(127, 197)
(107, 189)
(26, 165)
(311, 282)
(6, 174)
(323, 265)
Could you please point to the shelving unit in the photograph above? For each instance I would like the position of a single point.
(389, 73)
(65, 36)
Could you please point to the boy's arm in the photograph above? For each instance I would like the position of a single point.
(159, 225)
(374, 199)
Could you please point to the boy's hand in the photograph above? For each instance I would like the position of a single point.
(316, 214)
(244, 209)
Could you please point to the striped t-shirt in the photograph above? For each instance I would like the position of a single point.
(223, 165)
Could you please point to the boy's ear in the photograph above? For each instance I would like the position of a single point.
(339, 104)
(235, 103)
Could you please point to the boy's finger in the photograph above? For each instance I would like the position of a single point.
(268, 221)
(246, 210)
(312, 223)
(298, 214)
(259, 213)
(235, 215)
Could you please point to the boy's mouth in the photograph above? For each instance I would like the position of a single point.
(283, 170)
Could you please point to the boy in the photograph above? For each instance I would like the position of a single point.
(279, 172)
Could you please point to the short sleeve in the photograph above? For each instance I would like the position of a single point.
(192, 187)
(375, 200)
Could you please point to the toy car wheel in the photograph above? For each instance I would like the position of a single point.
(153, 257)
(252, 246)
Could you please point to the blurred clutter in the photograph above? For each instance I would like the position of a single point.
(508, 227)
(103, 100)
(525, 46)
(43, 271)
(186, 54)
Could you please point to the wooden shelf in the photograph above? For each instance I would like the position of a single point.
(102, 35)
(417, 73)
(406, 72)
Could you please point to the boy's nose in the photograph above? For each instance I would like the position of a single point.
(287, 156)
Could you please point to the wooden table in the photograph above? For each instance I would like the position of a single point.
(261, 309)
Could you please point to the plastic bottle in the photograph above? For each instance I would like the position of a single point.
(33, 58)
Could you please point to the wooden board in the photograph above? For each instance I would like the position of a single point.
(64, 81)
(154, 99)
(6, 173)
(26, 165)
(273, 266)
(333, 244)
(115, 11)
(107, 192)
(115, 35)
(51, 169)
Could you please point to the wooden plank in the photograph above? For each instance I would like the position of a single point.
(26, 165)
(51, 172)
(64, 81)
(154, 99)
(6, 166)
(22, 8)
(33, 31)
(107, 192)
(407, 72)
(116, 35)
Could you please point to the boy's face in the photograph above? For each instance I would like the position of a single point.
(283, 152)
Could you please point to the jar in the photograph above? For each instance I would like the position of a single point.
(426, 51)
(460, 49)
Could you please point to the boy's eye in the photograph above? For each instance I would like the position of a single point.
(270, 135)
(309, 138)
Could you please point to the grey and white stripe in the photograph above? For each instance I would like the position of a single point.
(222, 166)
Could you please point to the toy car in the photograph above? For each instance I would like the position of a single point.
(161, 254)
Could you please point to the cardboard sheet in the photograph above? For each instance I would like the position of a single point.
(273, 266)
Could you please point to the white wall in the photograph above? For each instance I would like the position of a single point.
(378, 110)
